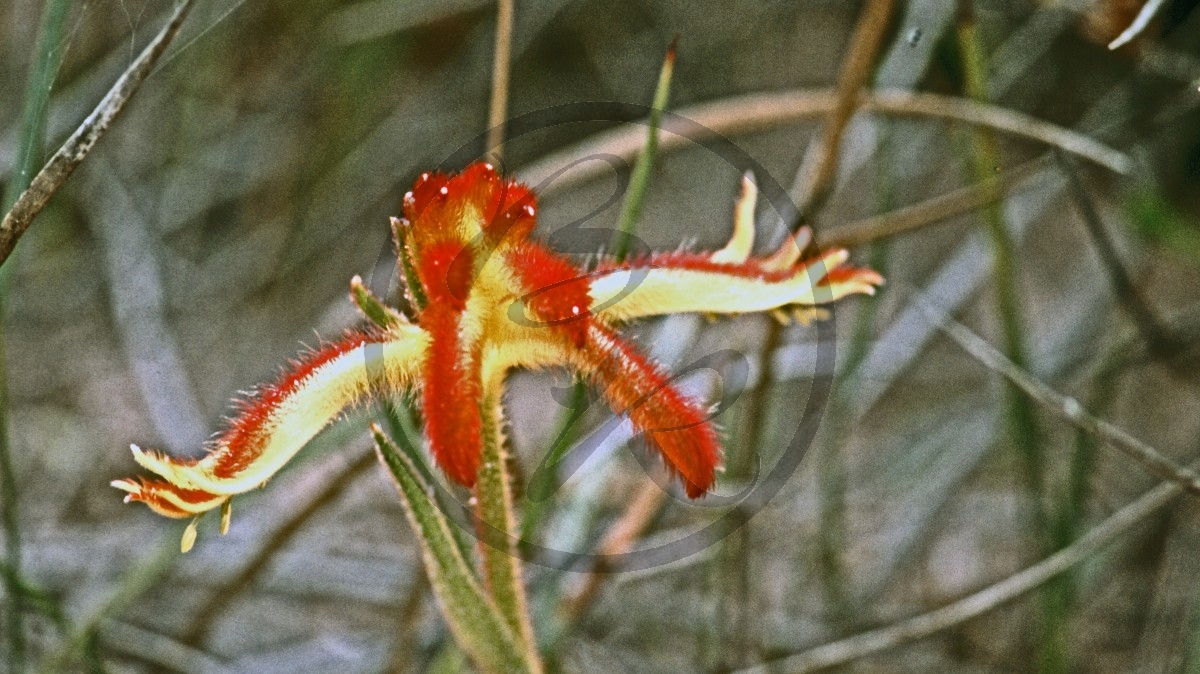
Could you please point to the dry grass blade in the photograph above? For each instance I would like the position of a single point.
(991, 597)
(930, 211)
(1137, 306)
(619, 539)
(1068, 408)
(757, 112)
(815, 177)
(498, 109)
(76, 148)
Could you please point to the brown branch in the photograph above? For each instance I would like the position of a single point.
(1160, 341)
(816, 174)
(757, 112)
(498, 109)
(971, 606)
(619, 539)
(76, 148)
(932, 210)
(1068, 408)
(196, 630)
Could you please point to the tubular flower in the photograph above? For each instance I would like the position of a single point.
(488, 298)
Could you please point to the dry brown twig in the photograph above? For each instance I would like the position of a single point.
(336, 482)
(498, 109)
(1066, 407)
(756, 112)
(76, 148)
(619, 539)
(932, 210)
(927, 624)
(816, 175)
(979, 603)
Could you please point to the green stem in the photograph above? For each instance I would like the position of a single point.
(473, 618)
(501, 566)
(631, 211)
(631, 208)
(568, 432)
(29, 159)
(1021, 417)
(831, 474)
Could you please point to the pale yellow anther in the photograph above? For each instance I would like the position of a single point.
(189, 536)
(226, 516)
(742, 241)
(807, 315)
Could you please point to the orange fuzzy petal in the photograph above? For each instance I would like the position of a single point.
(633, 385)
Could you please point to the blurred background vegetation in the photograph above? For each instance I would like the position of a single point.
(217, 224)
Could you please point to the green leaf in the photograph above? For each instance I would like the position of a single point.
(472, 617)
(372, 307)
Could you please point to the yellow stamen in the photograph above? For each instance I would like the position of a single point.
(189, 536)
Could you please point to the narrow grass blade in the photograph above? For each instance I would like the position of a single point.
(76, 148)
(37, 97)
(472, 617)
(29, 154)
(631, 209)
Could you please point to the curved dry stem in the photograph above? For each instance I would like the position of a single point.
(931, 211)
(757, 112)
(1153, 461)
(991, 597)
(815, 177)
(1139, 24)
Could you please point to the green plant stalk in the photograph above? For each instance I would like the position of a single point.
(29, 159)
(631, 212)
(831, 476)
(1069, 517)
(31, 151)
(501, 566)
(564, 439)
(1021, 416)
(631, 207)
(472, 617)
(401, 412)
(831, 472)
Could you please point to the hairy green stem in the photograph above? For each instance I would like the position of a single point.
(501, 566)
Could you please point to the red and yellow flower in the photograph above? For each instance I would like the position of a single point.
(487, 298)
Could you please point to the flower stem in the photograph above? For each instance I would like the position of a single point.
(501, 566)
